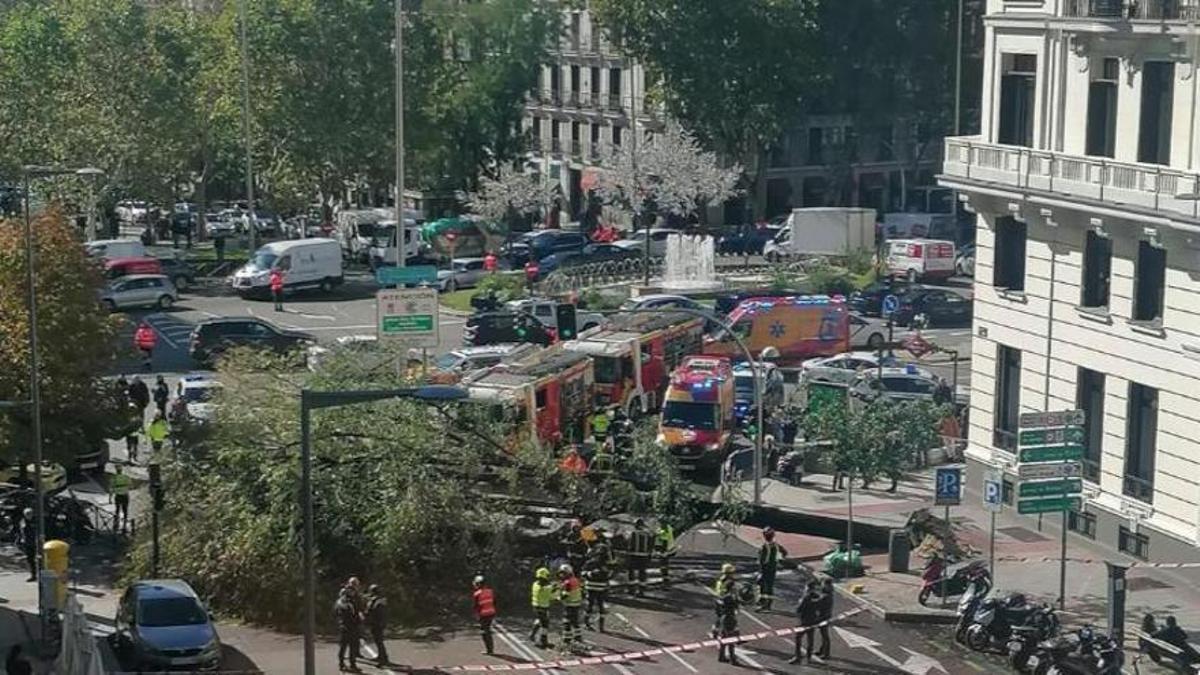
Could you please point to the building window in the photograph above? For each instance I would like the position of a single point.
(816, 146)
(1089, 397)
(1158, 94)
(1133, 543)
(555, 85)
(595, 86)
(1097, 270)
(1006, 491)
(1149, 282)
(1102, 109)
(614, 88)
(1018, 86)
(616, 136)
(1141, 430)
(1082, 522)
(1008, 268)
(1008, 397)
(535, 128)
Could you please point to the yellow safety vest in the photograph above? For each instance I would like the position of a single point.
(722, 583)
(571, 597)
(541, 595)
(119, 484)
(157, 430)
(666, 538)
(600, 423)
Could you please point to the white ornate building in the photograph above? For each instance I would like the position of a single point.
(1086, 180)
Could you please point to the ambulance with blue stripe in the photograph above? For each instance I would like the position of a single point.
(697, 421)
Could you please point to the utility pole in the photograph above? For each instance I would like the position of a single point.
(633, 160)
(400, 133)
(35, 399)
(958, 71)
(251, 218)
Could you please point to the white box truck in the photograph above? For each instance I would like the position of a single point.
(305, 263)
(823, 231)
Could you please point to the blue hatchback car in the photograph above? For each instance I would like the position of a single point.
(162, 625)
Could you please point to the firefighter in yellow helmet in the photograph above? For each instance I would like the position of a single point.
(540, 596)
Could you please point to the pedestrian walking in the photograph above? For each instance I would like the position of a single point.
(376, 620)
(119, 486)
(595, 582)
(641, 545)
(808, 612)
(531, 274)
(134, 427)
(541, 595)
(769, 556)
(139, 394)
(157, 431)
(347, 617)
(664, 545)
(162, 394)
(277, 288)
(570, 594)
(484, 599)
(144, 339)
(727, 622)
(29, 542)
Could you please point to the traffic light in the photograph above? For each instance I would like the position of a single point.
(564, 319)
(520, 327)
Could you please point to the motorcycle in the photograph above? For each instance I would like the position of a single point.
(1085, 653)
(1040, 625)
(966, 611)
(992, 623)
(937, 584)
(790, 467)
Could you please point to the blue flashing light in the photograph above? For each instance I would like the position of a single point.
(911, 369)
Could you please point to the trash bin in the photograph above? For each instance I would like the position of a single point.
(898, 550)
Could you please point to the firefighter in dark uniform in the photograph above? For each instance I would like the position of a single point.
(641, 547)
(595, 582)
(575, 547)
(769, 556)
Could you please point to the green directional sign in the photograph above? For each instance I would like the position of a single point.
(1051, 436)
(1048, 488)
(412, 323)
(1048, 505)
(1062, 453)
(399, 276)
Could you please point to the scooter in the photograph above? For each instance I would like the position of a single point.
(936, 584)
(967, 605)
(790, 467)
(1086, 653)
(993, 621)
(1041, 624)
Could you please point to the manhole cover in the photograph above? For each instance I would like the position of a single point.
(1144, 584)
(1022, 534)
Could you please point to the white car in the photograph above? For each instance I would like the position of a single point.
(463, 273)
(904, 383)
(466, 360)
(364, 347)
(658, 241)
(841, 369)
(660, 301)
(140, 290)
(199, 392)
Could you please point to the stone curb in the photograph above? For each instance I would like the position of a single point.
(926, 617)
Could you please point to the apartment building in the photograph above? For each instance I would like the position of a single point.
(1085, 180)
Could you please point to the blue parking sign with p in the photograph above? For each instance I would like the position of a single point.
(948, 486)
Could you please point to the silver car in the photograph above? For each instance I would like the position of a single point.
(463, 273)
(140, 290)
(907, 383)
(841, 369)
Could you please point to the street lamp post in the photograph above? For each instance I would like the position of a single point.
(91, 173)
(315, 400)
(400, 253)
(251, 218)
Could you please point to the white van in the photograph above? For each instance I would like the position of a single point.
(916, 259)
(107, 249)
(383, 243)
(306, 263)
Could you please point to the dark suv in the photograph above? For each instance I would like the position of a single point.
(491, 328)
(213, 337)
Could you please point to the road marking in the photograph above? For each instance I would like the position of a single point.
(646, 635)
(915, 664)
(521, 648)
(161, 333)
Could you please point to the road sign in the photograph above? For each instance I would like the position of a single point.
(948, 486)
(1062, 418)
(890, 304)
(1048, 505)
(1052, 453)
(1048, 471)
(1049, 488)
(408, 316)
(993, 491)
(400, 276)
(1057, 436)
(918, 346)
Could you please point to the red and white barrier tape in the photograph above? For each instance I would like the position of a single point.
(623, 657)
(1096, 561)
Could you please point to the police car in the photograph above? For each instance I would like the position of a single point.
(199, 391)
(902, 383)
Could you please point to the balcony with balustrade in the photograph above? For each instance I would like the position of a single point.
(1133, 10)
(1144, 191)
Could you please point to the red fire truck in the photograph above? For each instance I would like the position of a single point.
(549, 394)
(635, 353)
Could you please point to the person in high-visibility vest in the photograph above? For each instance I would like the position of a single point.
(541, 595)
(119, 486)
(641, 545)
(157, 431)
(485, 612)
(570, 594)
(725, 580)
(144, 338)
(664, 543)
(600, 425)
(769, 556)
(277, 288)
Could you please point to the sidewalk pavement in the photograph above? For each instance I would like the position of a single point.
(1020, 546)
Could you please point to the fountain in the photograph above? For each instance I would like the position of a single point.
(690, 264)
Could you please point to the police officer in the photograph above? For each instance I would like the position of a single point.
(541, 595)
(119, 485)
(769, 556)
(484, 600)
(346, 615)
(641, 544)
(376, 618)
(664, 543)
(570, 594)
(595, 582)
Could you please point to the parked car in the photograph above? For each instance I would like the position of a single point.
(840, 369)
(901, 383)
(636, 241)
(115, 268)
(489, 328)
(869, 301)
(179, 271)
(213, 337)
(463, 273)
(592, 253)
(115, 248)
(746, 239)
(54, 475)
(161, 624)
(199, 391)
(915, 259)
(964, 262)
(868, 334)
(546, 311)
(458, 362)
(541, 243)
(220, 224)
(942, 308)
(660, 301)
(139, 290)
